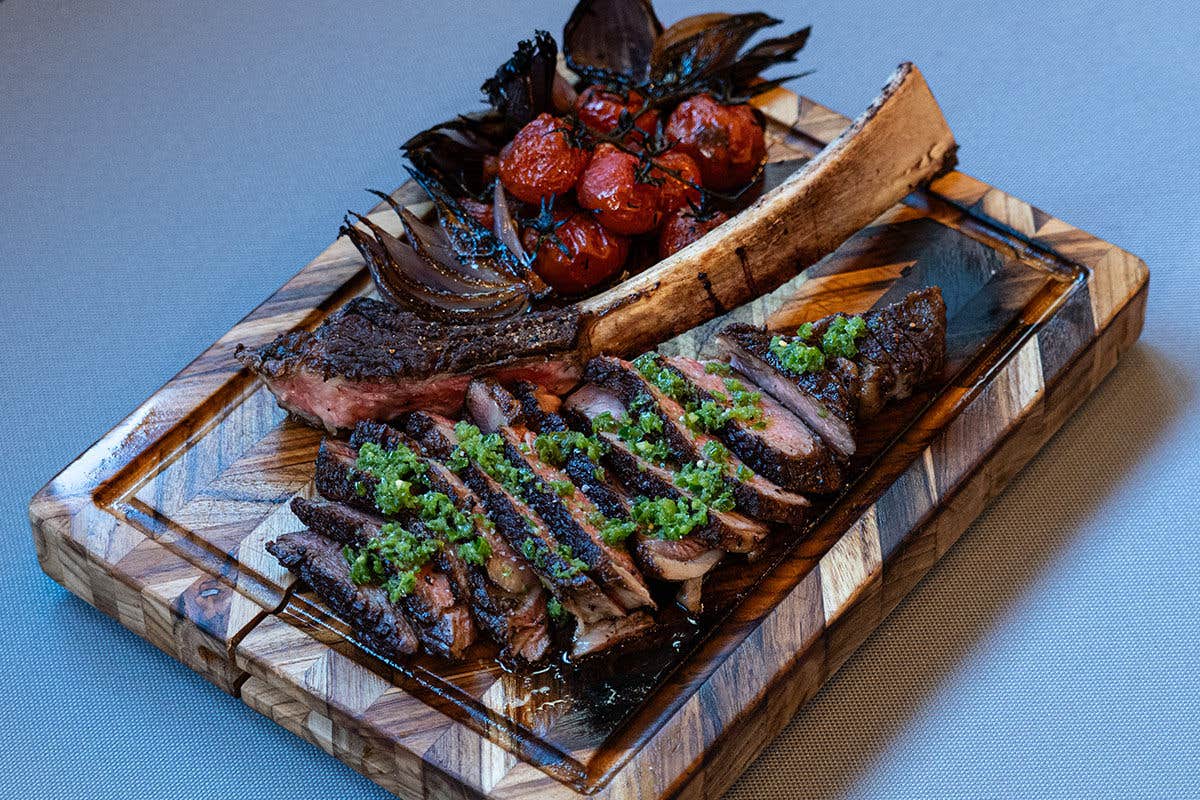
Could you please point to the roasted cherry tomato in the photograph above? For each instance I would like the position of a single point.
(579, 253)
(541, 161)
(726, 142)
(482, 212)
(610, 186)
(600, 109)
(684, 227)
(679, 178)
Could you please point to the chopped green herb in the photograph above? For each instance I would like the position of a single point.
(797, 357)
(554, 447)
(391, 559)
(839, 340)
(666, 518)
(555, 610)
(477, 551)
(668, 381)
(563, 488)
(567, 566)
(604, 422)
(486, 451)
(717, 368)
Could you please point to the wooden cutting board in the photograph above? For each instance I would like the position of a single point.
(162, 523)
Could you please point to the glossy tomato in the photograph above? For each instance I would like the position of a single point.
(684, 227)
(725, 141)
(579, 253)
(541, 161)
(611, 186)
(678, 178)
(600, 109)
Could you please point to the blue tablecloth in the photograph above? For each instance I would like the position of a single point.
(165, 165)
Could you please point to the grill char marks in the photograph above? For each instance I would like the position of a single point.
(754, 494)
(904, 345)
(519, 524)
(780, 447)
(822, 400)
(372, 360)
(727, 530)
(319, 562)
(435, 607)
(504, 596)
(570, 515)
(685, 561)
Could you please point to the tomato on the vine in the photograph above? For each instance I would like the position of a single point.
(684, 227)
(624, 200)
(726, 141)
(542, 160)
(575, 253)
(600, 109)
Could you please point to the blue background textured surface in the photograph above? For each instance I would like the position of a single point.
(164, 166)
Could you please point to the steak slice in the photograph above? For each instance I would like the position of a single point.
(505, 597)
(434, 607)
(504, 567)
(754, 494)
(372, 360)
(570, 514)
(523, 527)
(822, 399)
(319, 562)
(686, 560)
(779, 446)
(903, 346)
(727, 530)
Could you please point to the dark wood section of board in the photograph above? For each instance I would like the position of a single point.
(162, 524)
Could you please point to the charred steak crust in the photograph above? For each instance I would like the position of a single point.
(826, 386)
(802, 469)
(369, 339)
(319, 562)
(517, 522)
(515, 620)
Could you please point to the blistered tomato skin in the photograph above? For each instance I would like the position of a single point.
(679, 178)
(600, 109)
(541, 161)
(593, 254)
(610, 187)
(684, 227)
(725, 141)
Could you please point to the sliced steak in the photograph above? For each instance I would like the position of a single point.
(517, 522)
(570, 514)
(372, 360)
(504, 567)
(726, 530)
(318, 561)
(436, 606)
(754, 494)
(686, 560)
(822, 399)
(505, 597)
(778, 446)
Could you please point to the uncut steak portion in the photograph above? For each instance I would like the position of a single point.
(373, 361)
(318, 561)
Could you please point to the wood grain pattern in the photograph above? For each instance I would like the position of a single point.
(162, 523)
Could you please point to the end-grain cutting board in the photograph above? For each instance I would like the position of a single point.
(162, 524)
